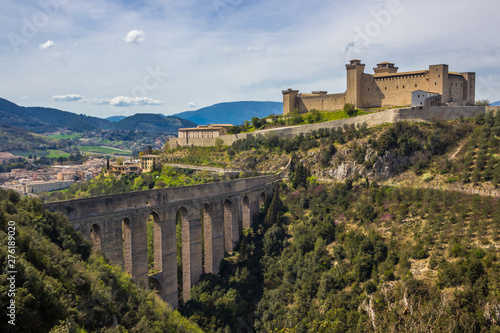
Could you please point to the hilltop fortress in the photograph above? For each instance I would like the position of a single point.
(387, 87)
(435, 94)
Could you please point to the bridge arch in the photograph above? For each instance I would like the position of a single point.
(157, 287)
(96, 237)
(154, 245)
(127, 245)
(262, 199)
(245, 212)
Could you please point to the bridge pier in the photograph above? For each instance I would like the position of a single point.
(212, 217)
(169, 258)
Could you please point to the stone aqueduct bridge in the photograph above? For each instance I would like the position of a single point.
(117, 226)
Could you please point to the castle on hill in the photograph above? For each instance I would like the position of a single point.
(387, 87)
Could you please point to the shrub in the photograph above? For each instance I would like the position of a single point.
(427, 177)
(350, 109)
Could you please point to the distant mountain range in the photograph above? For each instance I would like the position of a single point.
(39, 119)
(42, 120)
(151, 122)
(232, 112)
(495, 103)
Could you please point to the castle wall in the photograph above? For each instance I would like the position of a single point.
(327, 102)
(396, 90)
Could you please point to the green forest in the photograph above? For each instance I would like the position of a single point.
(358, 257)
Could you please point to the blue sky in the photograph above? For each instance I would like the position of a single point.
(106, 58)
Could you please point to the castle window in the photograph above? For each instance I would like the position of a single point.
(415, 85)
(403, 87)
(385, 88)
(439, 75)
(397, 87)
(435, 83)
(368, 89)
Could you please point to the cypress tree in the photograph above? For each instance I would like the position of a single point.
(496, 176)
(275, 211)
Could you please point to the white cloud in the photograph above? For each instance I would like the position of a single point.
(191, 104)
(255, 49)
(67, 98)
(135, 37)
(47, 45)
(118, 101)
(122, 101)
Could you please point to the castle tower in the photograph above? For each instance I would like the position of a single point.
(438, 81)
(289, 100)
(470, 87)
(385, 68)
(355, 71)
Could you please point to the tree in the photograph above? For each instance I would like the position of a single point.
(483, 102)
(256, 122)
(148, 150)
(350, 109)
(219, 142)
(326, 154)
(234, 130)
(275, 211)
(300, 176)
(296, 117)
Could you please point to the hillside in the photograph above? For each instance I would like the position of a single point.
(398, 242)
(15, 138)
(38, 119)
(497, 103)
(455, 154)
(232, 112)
(61, 286)
(359, 258)
(149, 122)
